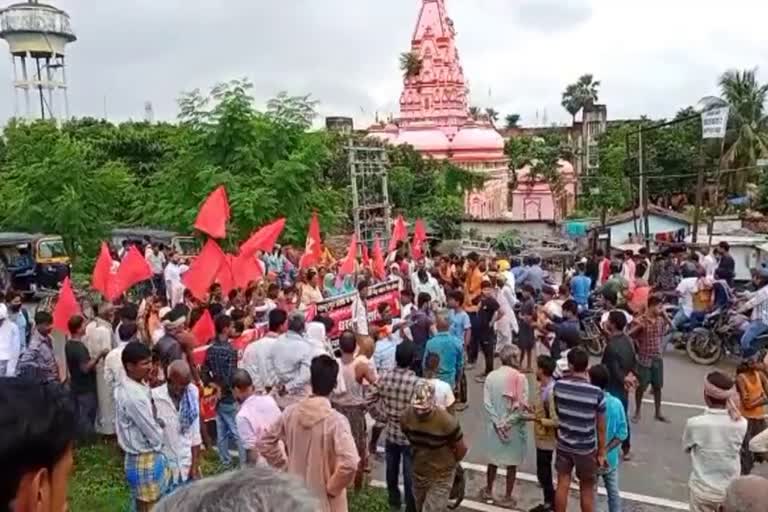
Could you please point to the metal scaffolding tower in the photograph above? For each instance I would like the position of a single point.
(368, 170)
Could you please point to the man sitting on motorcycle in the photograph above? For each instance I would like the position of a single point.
(758, 303)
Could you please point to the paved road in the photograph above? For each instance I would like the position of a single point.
(656, 478)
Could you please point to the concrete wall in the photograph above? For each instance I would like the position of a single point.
(656, 224)
(491, 229)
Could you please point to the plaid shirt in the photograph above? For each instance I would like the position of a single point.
(389, 398)
(37, 361)
(649, 342)
(664, 275)
(758, 303)
(220, 366)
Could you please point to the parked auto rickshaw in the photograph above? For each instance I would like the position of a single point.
(32, 262)
(184, 245)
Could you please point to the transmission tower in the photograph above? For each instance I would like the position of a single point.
(368, 171)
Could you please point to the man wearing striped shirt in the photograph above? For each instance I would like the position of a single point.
(581, 433)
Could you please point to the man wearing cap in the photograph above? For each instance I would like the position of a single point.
(10, 347)
(438, 446)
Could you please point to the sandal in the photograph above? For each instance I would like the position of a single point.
(486, 497)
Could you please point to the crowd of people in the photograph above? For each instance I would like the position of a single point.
(393, 383)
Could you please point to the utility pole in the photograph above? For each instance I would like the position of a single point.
(643, 192)
(699, 195)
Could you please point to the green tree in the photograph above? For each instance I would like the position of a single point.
(475, 112)
(512, 120)
(493, 115)
(298, 110)
(580, 94)
(748, 140)
(410, 64)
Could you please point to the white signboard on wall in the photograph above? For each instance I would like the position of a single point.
(714, 123)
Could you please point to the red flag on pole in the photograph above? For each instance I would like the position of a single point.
(133, 270)
(313, 250)
(419, 237)
(226, 276)
(102, 271)
(349, 263)
(246, 269)
(204, 330)
(379, 269)
(399, 233)
(214, 214)
(66, 307)
(204, 269)
(364, 253)
(264, 239)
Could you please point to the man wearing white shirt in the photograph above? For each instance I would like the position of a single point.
(178, 408)
(256, 357)
(173, 285)
(709, 262)
(156, 259)
(10, 344)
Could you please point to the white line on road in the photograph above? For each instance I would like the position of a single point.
(677, 404)
(528, 477)
(468, 504)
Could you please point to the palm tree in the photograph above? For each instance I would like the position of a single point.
(474, 113)
(492, 114)
(513, 121)
(580, 94)
(410, 64)
(746, 97)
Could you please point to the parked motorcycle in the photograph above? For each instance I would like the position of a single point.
(592, 337)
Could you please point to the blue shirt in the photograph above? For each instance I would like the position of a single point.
(384, 354)
(580, 286)
(451, 352)
(615, 427)
(578, 404)
(520, 274)
(459, 323)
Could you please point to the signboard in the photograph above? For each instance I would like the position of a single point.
(338, 309)
(714, 123)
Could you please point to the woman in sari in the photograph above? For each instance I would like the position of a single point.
(506, 410)
(329, 286)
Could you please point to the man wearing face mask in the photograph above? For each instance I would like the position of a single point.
(10, 344)
(37, 446)
(18, 315)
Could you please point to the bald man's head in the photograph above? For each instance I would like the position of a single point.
(242, 385)
(746, 494)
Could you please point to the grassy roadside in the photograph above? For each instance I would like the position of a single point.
(98, 484)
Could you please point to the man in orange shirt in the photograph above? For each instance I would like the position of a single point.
(472, 287)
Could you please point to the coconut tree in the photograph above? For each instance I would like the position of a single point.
(410, 64)
(579, 94)
(748, 122)
(474, 113)
(493, 115)
(513, 121)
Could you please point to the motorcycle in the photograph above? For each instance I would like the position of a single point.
(592, 337)
(719, 335)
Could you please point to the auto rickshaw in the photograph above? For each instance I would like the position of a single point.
(32, 262)
(186, 246)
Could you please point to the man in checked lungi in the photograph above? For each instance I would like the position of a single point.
(139, 431)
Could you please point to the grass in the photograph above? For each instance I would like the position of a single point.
(98, 484)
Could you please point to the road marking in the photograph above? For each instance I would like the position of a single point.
(465, 504)
(631, 496)
(528, 477)
(677, 404)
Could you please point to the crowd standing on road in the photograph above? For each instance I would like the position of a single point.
(321, 407)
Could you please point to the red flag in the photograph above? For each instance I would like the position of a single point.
(364, 253)
(214, 214)
(349, 263)
(264, 239)
(102, 271)
(226, 276)
(419, 237)
(313, 250)
(66, 307)
(399, 233)
(204, 330)
(379, 269)
(133, 270)
(204, 269)
(246, 269)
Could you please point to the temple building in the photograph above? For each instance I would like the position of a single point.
(434, 118)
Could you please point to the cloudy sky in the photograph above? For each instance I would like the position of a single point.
(652, 57)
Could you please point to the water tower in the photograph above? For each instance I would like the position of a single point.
(37, 35)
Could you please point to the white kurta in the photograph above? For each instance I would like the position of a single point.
(98, 337)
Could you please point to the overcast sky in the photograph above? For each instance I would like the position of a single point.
(652, 57)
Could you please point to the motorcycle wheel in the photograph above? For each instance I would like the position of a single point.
(703, 348)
